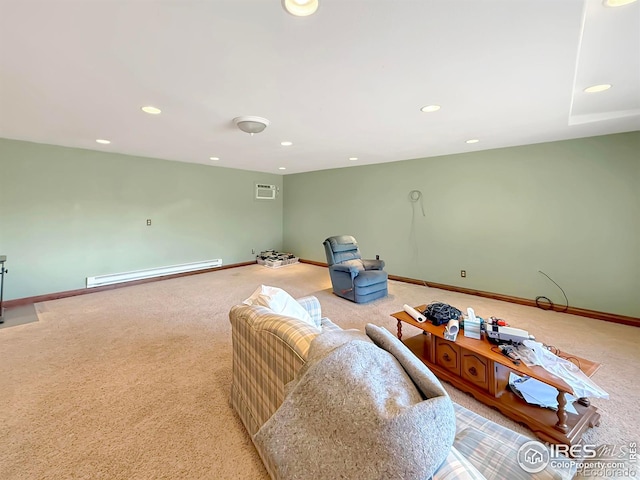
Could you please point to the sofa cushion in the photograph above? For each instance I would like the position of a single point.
(312, 305)
(456, 467)
(354, 412)
(498, 460)
(279, 302)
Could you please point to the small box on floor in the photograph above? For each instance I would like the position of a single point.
(273, 259)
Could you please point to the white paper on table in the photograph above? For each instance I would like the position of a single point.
(568, 371)
(536, 392)
(416, 315)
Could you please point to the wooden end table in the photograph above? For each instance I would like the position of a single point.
(474, 367)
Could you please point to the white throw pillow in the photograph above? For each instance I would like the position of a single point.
(280, 302)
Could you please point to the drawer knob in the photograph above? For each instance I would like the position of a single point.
(473, 371)
(446, 357)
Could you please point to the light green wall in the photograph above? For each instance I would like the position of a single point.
(570, 209)
(67, 213)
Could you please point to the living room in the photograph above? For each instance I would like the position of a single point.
(568, 209)
(563, 205)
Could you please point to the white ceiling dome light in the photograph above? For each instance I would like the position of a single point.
(598, 88)
(300, 8)
(251, 124)
(617, 3)
(151, 110)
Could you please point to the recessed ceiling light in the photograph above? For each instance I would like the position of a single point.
(430, 108)
(103, 141)
(286, 144)
(151, 110)
(300, 8)
(282, 168)
(617, 3)
(597, 88)
(214, 158)
(353, 158)
(473, 140)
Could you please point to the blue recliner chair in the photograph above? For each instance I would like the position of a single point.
(352, 277)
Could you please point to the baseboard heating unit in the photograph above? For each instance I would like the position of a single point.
(112, 278)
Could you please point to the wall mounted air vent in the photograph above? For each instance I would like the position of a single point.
(265, 192)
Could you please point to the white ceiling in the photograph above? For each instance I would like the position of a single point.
(346, 82)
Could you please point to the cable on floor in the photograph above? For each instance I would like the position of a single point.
(545, 303)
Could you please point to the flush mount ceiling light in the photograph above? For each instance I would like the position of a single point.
(251, 124)
(151, 110)
(103, 141)
(597, 88)
(286, 144)
(473, 140)
(617, 3)
(215, 159)
(430, 108)
(300, 8)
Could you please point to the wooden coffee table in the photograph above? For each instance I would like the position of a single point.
(472, 366)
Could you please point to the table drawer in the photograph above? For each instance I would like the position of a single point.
(475, 369)
(448, 355)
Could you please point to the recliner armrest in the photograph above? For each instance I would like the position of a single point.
(373, 264)
(339, 267)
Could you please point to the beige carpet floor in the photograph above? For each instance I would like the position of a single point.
(19, 315)
(133, 383)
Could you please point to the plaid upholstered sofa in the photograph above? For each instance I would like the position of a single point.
(269, 349)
